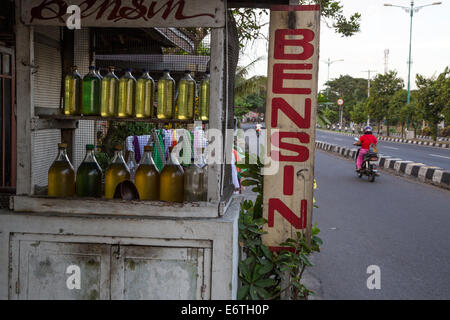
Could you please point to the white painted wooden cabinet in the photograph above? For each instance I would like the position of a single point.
(45, 266)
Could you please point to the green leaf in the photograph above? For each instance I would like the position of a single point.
(243, 292)
(249, 182)
(253, 293)
(266, 267)
(267, 252)
(245, 271)
(264, 283)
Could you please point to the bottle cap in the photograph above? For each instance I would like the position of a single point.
(146, 70)
(89, 147)
(111, 68)
(62, 145)
(118, 147)
(91, 67)
(128, 70)
(207, 72)
(74, 68)
(148, 148)
(187, 71)
(166, 70)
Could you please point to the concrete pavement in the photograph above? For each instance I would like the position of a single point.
(399, 225)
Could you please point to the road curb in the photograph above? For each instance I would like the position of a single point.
(406, 168)
(390, 139)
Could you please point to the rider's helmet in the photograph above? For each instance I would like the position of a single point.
(367, 129)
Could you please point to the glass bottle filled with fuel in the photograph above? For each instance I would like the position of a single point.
(72, 92)
(61, 176)
(166, 94)
(194, 179)
(203, 95)
(90, 104)
(89, 175)
(109, 94)
(171, 186)
(147, 177)
(127, 87)
(116, 173)
(145, 95)
(184, 108)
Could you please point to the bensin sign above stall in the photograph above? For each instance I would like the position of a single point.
(127, 13)
(291, 121)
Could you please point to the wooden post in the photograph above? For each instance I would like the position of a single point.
(216, 106)
(290, 122)
(25, 104)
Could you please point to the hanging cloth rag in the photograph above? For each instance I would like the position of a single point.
(137, 149)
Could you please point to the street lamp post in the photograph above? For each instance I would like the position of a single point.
(328, 78)
(411, 11)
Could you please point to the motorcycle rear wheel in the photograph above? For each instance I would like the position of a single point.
(372, 177)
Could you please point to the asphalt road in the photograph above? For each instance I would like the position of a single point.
(399, 225)
(432, 156)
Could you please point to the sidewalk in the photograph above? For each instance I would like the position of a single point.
(431, 143)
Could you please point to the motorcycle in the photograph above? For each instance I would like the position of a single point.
(369, 166)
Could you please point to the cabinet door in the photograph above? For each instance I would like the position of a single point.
(156, 273)
(57, 270)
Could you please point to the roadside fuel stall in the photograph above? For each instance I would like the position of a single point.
(71, 247)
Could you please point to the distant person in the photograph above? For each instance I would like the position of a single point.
(366, 141)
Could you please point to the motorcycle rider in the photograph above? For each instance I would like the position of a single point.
(365, 141)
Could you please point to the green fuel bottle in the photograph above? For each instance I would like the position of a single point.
(127, 87)
(90, 105)
(171, 185)
(166, 94)
(145, 95)
(116, 173)
(147, 177)
(204, 97)
(61, 176)
(184, 108)
(89, 176)
(72, 92)
(109, 92)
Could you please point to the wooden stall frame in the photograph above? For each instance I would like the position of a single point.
(28, 121)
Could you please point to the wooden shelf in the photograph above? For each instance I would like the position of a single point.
(61, 117)
(113, 207)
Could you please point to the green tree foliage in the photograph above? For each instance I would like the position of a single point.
(248, 20)
(433, 98)
(351, 90)
(358, 113)
(382, 88)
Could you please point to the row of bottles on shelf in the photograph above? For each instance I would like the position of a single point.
(174, 183)
(126, 97)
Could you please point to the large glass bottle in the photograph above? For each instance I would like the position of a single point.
(171, 186)
(109, 94)
(184, 108)
(194, 180)
(72, 92)
(145, 95)
(166, 94)
(203, 96)
(127, 87)
(116, 173)
(89, 176)
(147, 177)
(90, 105)
(61, 176)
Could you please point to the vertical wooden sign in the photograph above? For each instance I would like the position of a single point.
(291, 121)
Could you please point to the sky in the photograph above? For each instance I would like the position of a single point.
(381, 28)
